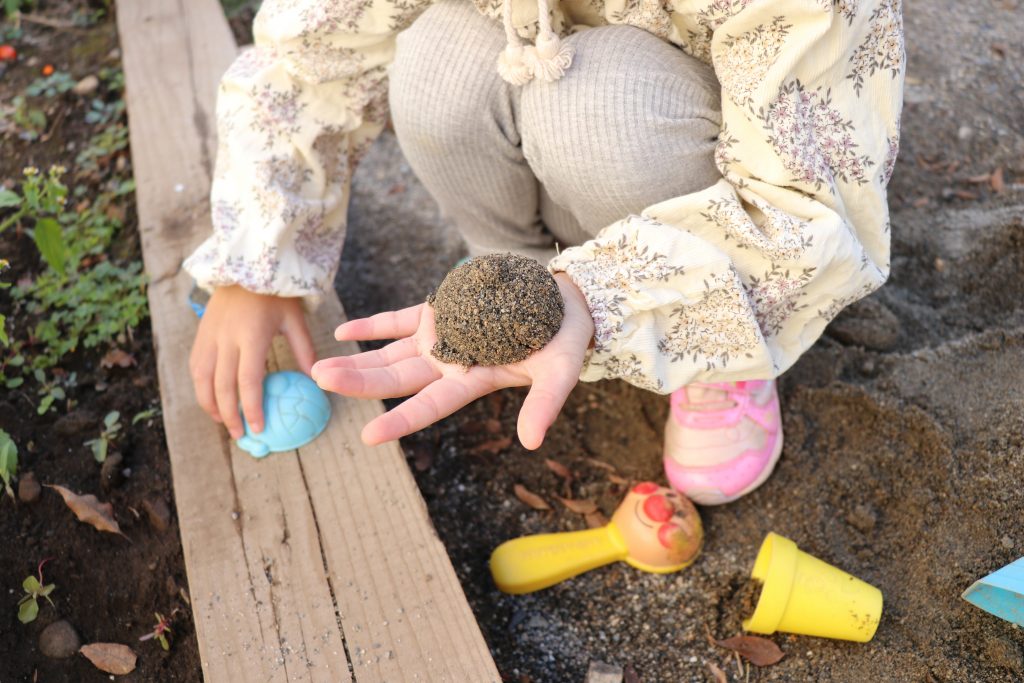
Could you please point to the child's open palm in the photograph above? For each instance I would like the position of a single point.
(406, 368)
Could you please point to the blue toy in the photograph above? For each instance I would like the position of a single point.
(295, 411)
(1001, 593)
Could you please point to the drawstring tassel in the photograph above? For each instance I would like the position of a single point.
(512, 65)
(550, 58)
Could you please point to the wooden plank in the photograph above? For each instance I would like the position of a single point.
(291, 576)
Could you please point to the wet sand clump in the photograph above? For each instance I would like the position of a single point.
(495, 310)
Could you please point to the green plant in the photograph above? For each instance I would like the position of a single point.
(42, 198)
(28, 606)
(57, 83)
(101, 147)
(8, 461)
(147, 414)
(104, 112)
(4, 339)
(160, 630)
(111, 430)
(52, 390)
(13, 7)
(31, 120)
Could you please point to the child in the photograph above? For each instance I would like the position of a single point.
(714, 172)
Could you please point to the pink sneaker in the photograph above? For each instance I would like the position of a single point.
(722, 440)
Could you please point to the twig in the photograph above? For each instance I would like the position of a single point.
(56, 123)
(58, 24)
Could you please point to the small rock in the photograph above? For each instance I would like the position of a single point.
(1003, 653)
(111, 475)
(1005, 540)
(28, 488)
(86, 86)
(158, 512)
(75, 423)
(863, 518)
(599, 672)
(867, 323)
(59, 640)
(965, 132)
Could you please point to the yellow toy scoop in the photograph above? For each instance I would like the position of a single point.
(654, 529)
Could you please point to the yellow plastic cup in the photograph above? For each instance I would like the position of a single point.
(801, 594)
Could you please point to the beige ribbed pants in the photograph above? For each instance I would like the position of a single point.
(633, 122)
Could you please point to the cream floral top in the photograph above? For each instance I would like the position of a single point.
(730, 283)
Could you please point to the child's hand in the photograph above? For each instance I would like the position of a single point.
(230, 352)
(406, 367)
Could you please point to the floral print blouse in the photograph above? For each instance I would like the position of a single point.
(730, 283)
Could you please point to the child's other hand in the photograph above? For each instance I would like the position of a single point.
(406, 367)
(230, 351)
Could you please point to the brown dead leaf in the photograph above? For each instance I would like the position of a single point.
(600, 463)
(113, 658)
(530, 498)
(117, 357)
(90, 510)
(965, 195)
(717, 673)
(596, 520)
(580, 507)
(979, 179)
(997, 182)
(616, 479)
(760, 651)
(558, 468)
(492, 447)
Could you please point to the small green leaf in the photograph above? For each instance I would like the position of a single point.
(50, 240)
(28, 612)
(14, 382)
(144, 415)
(47, 589)
(31, 585)
(163, 642)
(45, 404)
(9, 199)
(16, 361)
(58, 393)
(111, 419)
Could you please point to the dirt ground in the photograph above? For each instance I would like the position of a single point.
(904, 425)
(107, 587)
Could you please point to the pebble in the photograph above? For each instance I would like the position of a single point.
(59, 640)
(28, 488)
(965, 132)
(863, 518)
(158, 513)
(86, 86)
(111, 475)
(1005, 540)
(867, 323)
(73, 424)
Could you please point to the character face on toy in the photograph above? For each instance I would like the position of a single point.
(660, 526)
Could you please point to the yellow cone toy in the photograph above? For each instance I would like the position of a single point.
(801, 594)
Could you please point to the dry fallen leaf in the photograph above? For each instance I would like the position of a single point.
(90, 510)
(717, 673)
(616, 479)
(113, 658)
(596, 520)
(600, 463)
(997, 182)
(581, 507)
(760, 651)
(558, 468)
(492, 447)
(530, 498)
(117, 357)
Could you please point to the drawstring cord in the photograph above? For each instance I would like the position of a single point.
(546, 61)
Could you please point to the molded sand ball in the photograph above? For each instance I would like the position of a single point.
(495, 310)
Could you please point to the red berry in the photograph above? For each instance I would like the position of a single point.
(8, 53)
(48, 70)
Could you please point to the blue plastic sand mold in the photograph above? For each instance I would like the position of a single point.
(1001, 593)
(295, 411)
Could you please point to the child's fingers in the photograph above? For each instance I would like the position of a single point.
(251, 370)
(389, 355)
(404, 378)
(439, 399)
(203, 363)
(542, 405)
(225, 386)
(297, 334)
(387, 325)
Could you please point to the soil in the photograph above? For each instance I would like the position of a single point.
(495, 310)
(107, 587)
(904, 450)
